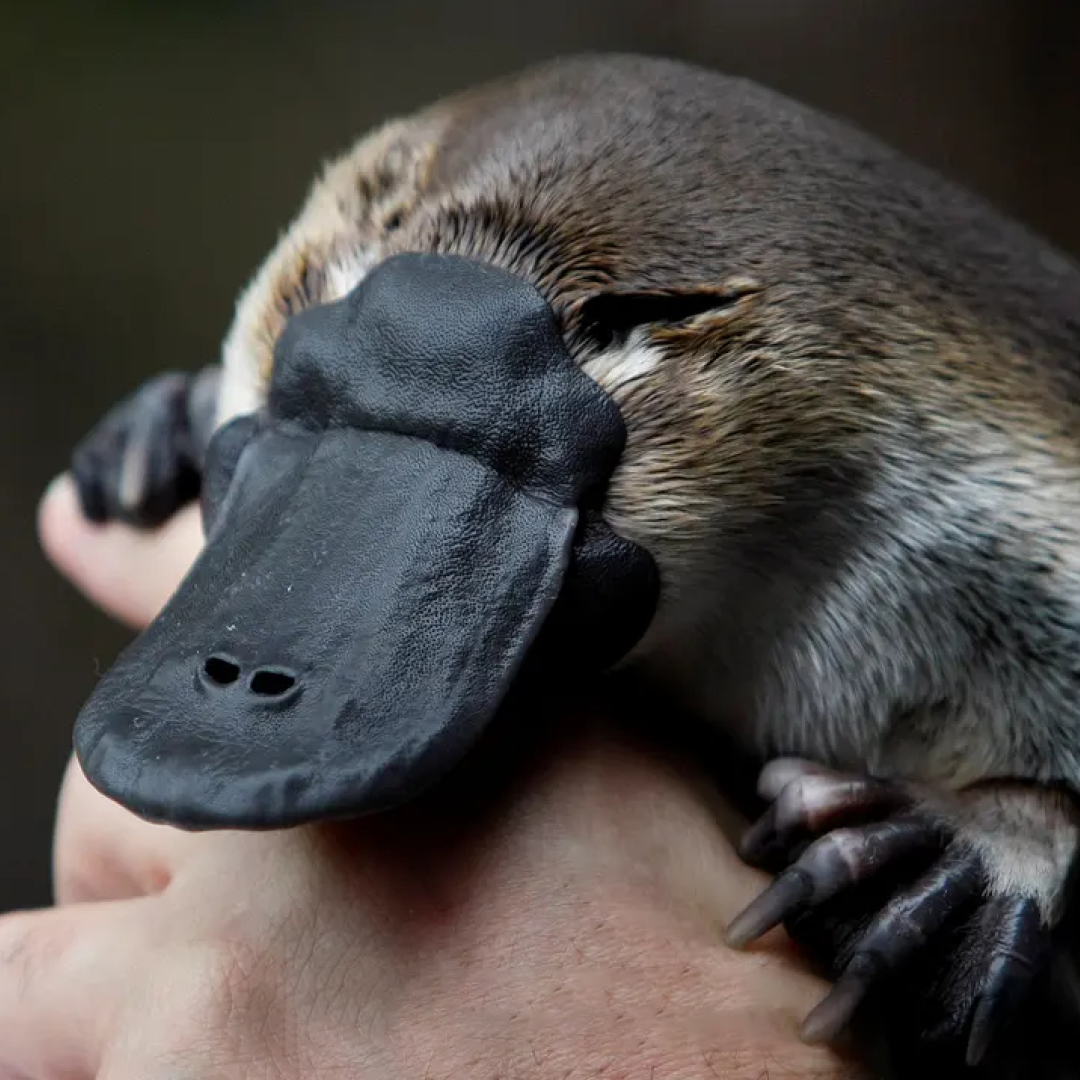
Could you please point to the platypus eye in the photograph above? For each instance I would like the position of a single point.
(607, 317)
(222, 457)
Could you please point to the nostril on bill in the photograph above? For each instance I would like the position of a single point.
(268, 682)
(221, 671)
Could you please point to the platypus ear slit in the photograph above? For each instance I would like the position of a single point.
(609, 315)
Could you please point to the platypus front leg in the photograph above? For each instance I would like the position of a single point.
(143, 461)
(882, 875)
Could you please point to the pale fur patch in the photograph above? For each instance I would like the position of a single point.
(242, 389)
(632, 359)
(346, 272)
(1019, 866)
(243, 384)
(1027, 841)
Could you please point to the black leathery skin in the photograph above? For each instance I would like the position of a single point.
(1015, 945)
(166, 421)
(385, 543)
(226, 447)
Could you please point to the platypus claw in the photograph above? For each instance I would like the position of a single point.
(958, 892)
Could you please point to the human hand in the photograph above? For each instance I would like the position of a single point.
(570, 927)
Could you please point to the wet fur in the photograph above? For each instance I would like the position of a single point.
(859, 470)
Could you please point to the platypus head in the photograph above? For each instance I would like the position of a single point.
(526, 371)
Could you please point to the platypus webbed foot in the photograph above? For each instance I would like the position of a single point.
(959, 891)
(143, 460)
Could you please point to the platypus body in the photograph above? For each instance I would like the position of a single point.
(840, 486)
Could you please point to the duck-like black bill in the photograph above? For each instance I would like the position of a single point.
(384, 547)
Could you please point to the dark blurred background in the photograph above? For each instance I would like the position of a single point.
(152, 151)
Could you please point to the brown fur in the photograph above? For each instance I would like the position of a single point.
(896, 367)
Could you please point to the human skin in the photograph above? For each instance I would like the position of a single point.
(565, 925)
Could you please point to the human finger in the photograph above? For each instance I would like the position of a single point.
(130, 573)
(62, 981)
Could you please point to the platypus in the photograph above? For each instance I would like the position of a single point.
(626, 364)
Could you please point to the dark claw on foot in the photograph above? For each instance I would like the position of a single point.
(1016, 943)
(904, 927)
(809, 801)
(833, 863)
(884, 879)
(833, 1013)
